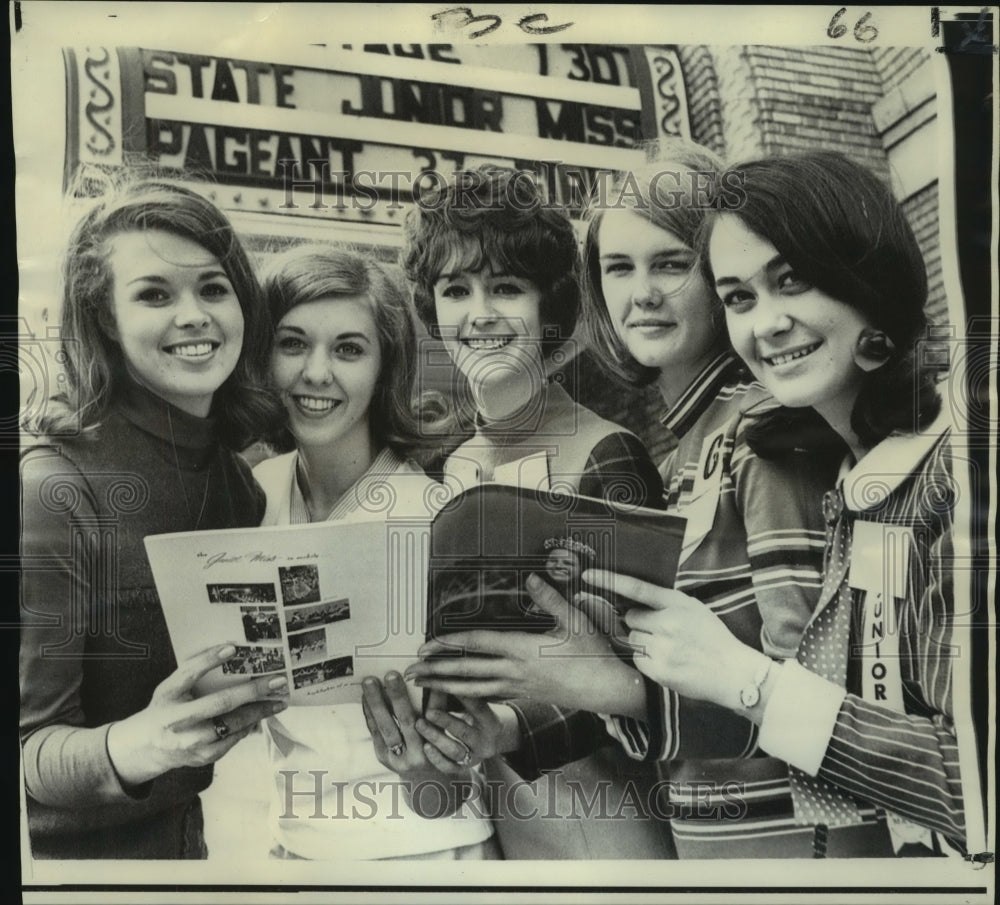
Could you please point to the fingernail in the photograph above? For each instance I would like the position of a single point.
(278, 706)
(369, 683)
(277, 682)
(534, 582)
(393, 677)
(224, 653)
(434, 714)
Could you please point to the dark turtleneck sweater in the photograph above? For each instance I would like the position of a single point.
(94, 643)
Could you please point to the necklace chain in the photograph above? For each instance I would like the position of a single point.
(180, 477)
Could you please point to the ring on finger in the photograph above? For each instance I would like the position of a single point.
(222, 729)
(397, 749)
(466, 759)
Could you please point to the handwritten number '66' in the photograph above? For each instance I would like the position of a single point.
(862, 31)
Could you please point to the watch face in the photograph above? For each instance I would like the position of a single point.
(750, 696)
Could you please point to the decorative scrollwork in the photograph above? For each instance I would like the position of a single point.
(60, 493)
(126, 494)
(625, 490)
(436, 495)
(559, 497)
(102, 142)
(377, 496)
(940, 494)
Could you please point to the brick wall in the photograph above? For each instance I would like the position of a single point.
(809, 98)
(922, 212)
(894, 64)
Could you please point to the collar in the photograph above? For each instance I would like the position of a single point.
(724, 369)
(368, 492)
(869, 483)
(156, 416)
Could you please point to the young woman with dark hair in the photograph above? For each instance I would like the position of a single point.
(163, 326)
(494, 269)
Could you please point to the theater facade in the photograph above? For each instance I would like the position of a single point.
(334, 142)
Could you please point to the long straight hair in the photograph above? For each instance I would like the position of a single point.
(677, 205)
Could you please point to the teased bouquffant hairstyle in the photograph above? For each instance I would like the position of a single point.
(496, 218)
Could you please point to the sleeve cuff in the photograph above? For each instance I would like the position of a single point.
(800, 715)
(136, 793)
(524, 760)
(642, 739)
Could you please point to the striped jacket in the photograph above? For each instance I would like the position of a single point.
(902, 759)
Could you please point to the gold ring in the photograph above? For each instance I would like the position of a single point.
(221, 729)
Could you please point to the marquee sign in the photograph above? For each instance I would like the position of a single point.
(353, 133)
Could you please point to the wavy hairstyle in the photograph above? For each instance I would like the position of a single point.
(309, 273)
(495, 217)
(671, 191)
(95, 364)
(842, 230)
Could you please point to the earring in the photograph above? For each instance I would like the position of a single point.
(873, 349)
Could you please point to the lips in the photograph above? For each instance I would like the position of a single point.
(315, 405)
(785, 358)
(649, 324)
(487, 343)
(193, 350)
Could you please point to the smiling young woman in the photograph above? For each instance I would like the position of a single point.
(163, 326)
(343, 361)
(495, 269)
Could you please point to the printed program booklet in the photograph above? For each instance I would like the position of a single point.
(329, 603)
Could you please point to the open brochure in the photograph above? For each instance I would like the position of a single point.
(329, 603)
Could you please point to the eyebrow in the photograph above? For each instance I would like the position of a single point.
(502, 275)
(776, 261)
(671, 252)
(352, 334)
(156, 278)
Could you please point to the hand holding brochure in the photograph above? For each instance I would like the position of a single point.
(329, 603)
(487, 541)
(324, 604)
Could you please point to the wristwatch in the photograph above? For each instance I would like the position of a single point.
(750, 694)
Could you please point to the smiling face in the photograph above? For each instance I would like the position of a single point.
(798, 341)
(491, 326)
(656, 297)
(326, 362)
(563, 565)
(176, 316)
